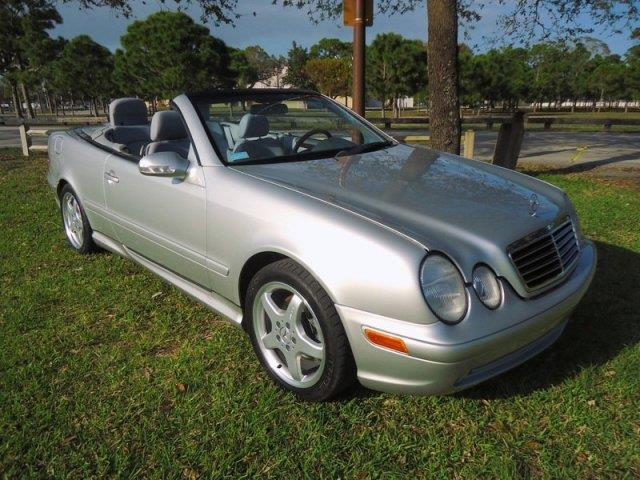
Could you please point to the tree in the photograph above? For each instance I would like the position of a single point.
(266, 66)
(633, 62)
(608, 78)
(499, 75)
(245, 73)
(470, 79)
(296, 75)
(24, 44)
(331, 48)
(331, 75)
(524, 19)
(396, 68)
(84, 70)
(442, 44)
(169, 53)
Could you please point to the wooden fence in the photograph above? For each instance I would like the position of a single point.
(25, 139)
(607, 123)
(509, 141)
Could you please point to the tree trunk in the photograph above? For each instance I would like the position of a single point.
(15, 98)
(442, 19)
(40, 102)
(27, 99)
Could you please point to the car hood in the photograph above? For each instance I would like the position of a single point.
(467, 209)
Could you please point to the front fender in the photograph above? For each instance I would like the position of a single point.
(359, 262)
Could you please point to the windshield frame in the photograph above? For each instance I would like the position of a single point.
(229, 95)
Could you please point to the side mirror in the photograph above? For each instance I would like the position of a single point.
(164, 164)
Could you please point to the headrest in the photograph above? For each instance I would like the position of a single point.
(127, 111)
(167, 125)
(252, 126)
(269, 109)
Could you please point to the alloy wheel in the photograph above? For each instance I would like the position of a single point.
(289, 335)
(72, 217)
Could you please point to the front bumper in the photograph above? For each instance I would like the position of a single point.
(444, 359)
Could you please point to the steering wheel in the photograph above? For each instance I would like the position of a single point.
(308, 135)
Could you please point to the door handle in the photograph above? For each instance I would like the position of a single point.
(110, 176)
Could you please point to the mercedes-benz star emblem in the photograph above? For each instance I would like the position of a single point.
(534, 203)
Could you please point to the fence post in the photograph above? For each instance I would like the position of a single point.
(469, 143)
(509, 142)
(25, 140)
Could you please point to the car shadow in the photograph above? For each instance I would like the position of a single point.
(604, 323)
(587, 166)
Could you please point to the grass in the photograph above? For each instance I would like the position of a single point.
(107, 371)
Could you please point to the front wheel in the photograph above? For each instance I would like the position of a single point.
(296, 332)
(76, 224)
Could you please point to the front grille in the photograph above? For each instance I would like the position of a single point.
(545, 257)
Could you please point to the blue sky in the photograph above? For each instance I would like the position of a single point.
(275, 27)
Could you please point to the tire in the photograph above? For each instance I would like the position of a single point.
(296, 332)
(75, 222)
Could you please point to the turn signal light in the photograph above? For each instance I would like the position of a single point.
(385, 340)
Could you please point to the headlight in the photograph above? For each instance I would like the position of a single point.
(443, 288)
(487, 286)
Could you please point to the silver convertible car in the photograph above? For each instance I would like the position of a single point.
(344, 254)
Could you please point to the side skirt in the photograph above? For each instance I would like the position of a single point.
(215, 302)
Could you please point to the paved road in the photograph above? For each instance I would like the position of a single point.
(565, 150)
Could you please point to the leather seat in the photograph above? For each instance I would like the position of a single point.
(252, 131)
(168, 134)
(129, 124)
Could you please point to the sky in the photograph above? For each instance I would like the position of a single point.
(275, 27)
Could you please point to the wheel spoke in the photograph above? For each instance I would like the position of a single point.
(308, 347)
(293, 364)
(270, 341)
(271, 309)
(295, 308)
(67, 210)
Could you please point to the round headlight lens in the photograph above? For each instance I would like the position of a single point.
(487, 286)
(443, 288)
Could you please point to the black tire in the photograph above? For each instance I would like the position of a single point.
(339, 371)
(85, 245)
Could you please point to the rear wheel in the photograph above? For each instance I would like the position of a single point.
(76, 224)
(296, 332)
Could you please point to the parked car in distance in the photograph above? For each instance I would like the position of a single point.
(344, 254)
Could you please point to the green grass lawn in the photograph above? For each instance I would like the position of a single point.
(107, 371)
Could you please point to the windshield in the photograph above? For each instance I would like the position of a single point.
(264, 127)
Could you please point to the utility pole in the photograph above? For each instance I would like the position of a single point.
(359, 39)
(359, 15)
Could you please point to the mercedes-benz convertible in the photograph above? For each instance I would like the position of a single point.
(343, 253)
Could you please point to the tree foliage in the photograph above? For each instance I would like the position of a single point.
(168, 53)
(25, 45)
(331, 48)
(331, 75)
(245, 73)
(262, 63)
(396, 67)
(84, 70)
(296, 61)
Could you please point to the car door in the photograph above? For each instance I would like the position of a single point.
(160, 218)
